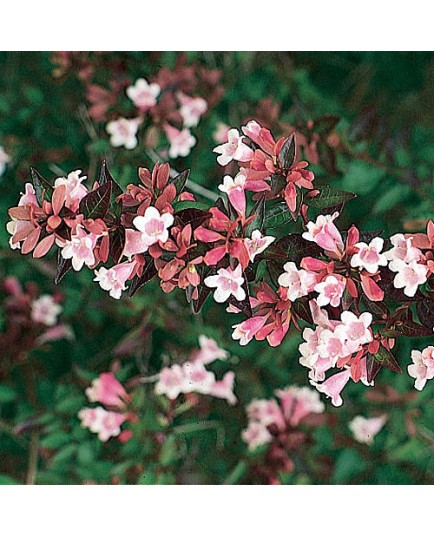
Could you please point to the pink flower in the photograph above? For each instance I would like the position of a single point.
(324, 233)
(143, 94)
(209, 351)
(224, 388)
(369, 257)
(333, 386)
(135, 242)
(355, 330)
(75, 191)
(364, 430)
(245, 331)
(403, 249)
(234, 149)
(409, 275)
(266, 412)
(298, 282)
(256, 435)
(192, 109)
(196, 378)
(153, 226)
(108, 391)
(28, 197)
(234, 188)
(170, 382)
(257, 243)
(45, 310)
(123, 132)
(298, 403)
(105, 423)
(422, 368)
(115, 278)
(4, 159)
(181, 141)
(227, 282)
(220, 134)
(330, 290)
(80, 248)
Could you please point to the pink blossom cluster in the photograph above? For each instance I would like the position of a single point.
(193, 377)
(270, 418)
(346, 285)
(106, 421)
(146, 96)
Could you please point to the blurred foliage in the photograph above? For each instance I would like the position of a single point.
(384, 103)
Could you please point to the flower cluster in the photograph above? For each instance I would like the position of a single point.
(107, 421)
(170, 103)
(193, 377)
(355, 290)
(276, 425)
(422, 368)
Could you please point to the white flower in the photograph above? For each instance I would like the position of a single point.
(45, 310)
(298, 282)
(4, 159)
(364, 430)
(143, 94)
(181, 141)
(192, 108)
(369, 257)
(410, 275)
(123, 132)
(257, 243)
(227, 282)
(153, 226)
(80, 248)
(115, 278)
(234, 149)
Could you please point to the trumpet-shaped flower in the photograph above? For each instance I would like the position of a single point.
(143, 94)
(228, 282)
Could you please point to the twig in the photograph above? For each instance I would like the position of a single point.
(33, 460)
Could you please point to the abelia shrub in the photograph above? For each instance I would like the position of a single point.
(270, 248)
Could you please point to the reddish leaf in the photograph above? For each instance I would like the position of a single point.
(96, 203)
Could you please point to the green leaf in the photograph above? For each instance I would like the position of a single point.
(96, 203)
(180, 181)
(237, 474)
(287, 153)
(258, 223)
(277, 216)
(386, 359)
(328, 197)
(169, 451)
(55, 440)
(6, 480)
(349, 464)
(7, 394)
(40, 184)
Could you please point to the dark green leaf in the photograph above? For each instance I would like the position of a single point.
(63, 267)
(287, 153)
(258, 223)
(149, 271)
(193, 216)
(328, 197)
(117, 243)
(385, 358)
(425, 312)
(180, 181)
(96, 203)
(277, 216)
(40, 184)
